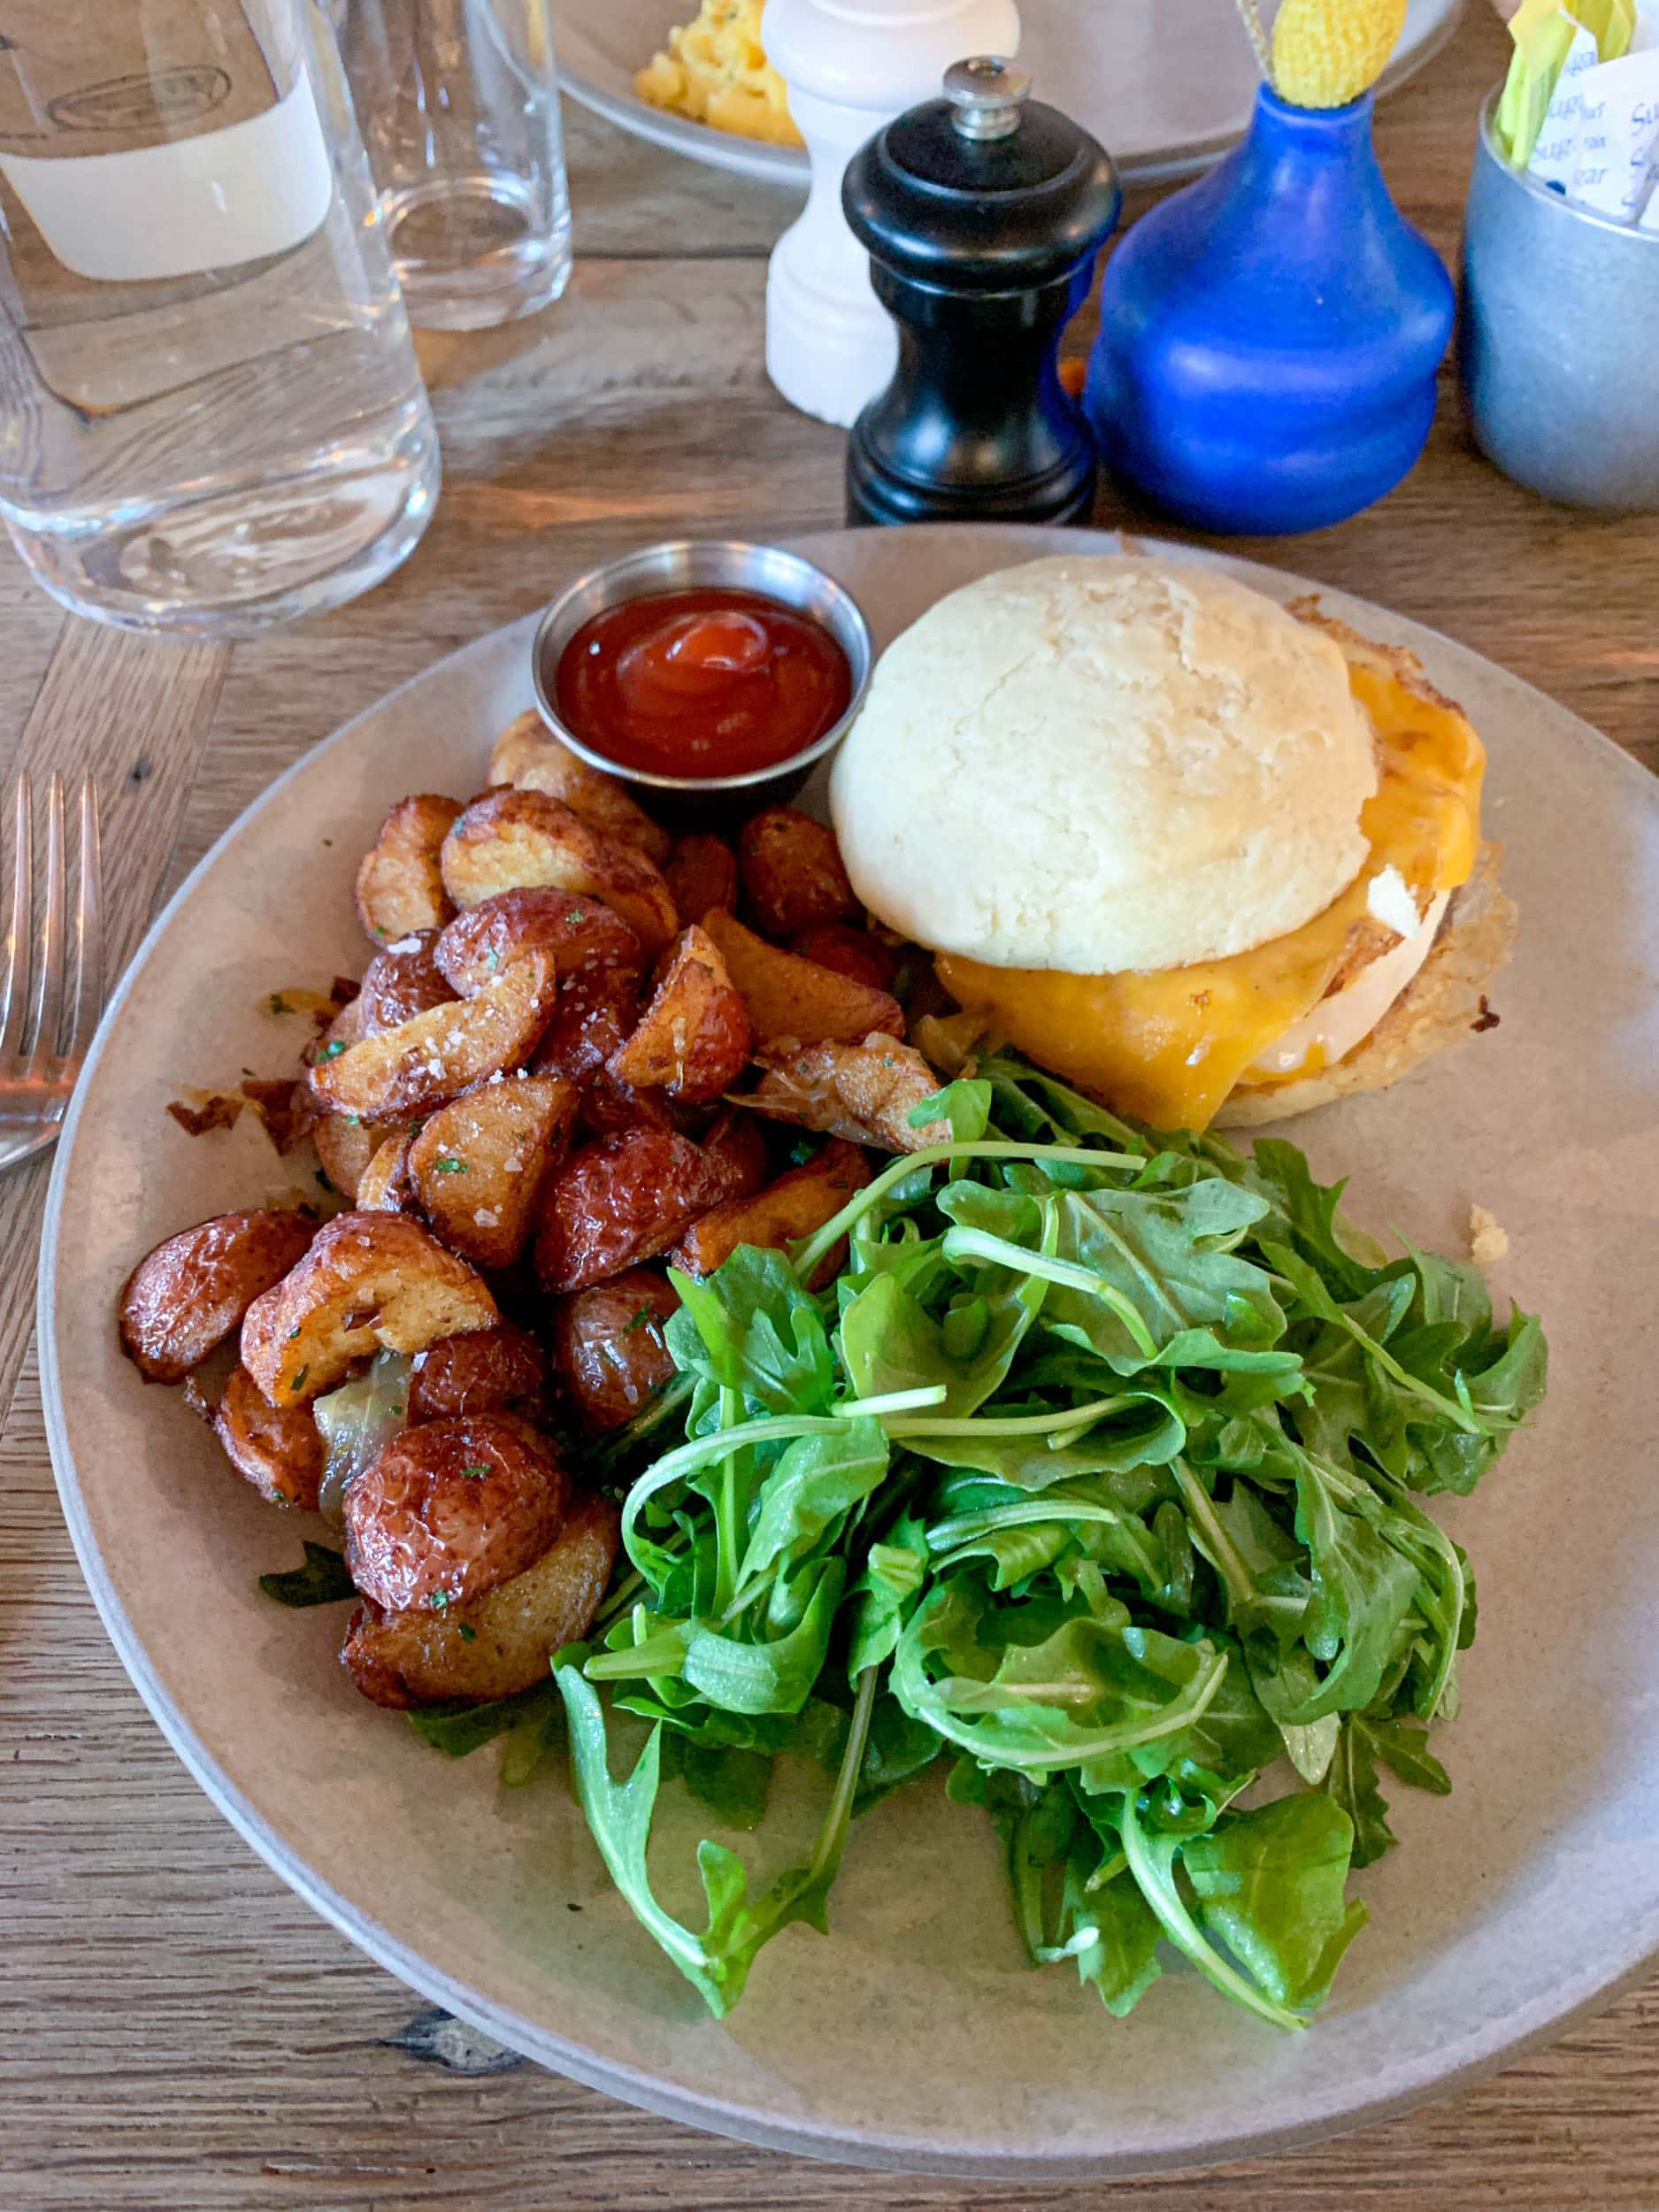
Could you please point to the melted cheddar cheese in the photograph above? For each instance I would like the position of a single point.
(1168, 1047)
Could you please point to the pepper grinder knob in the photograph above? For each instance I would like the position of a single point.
(851, 65)
(988, 94)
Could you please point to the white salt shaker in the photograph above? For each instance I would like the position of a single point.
(851, 65)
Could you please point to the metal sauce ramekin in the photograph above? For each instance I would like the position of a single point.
(676, 565)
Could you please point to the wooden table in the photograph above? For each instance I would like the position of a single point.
(179, 2030)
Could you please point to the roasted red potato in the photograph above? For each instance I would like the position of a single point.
(595, 1016)
(279, 1449)
(191, 1292)
(620, 1201)
(692, 1039)
(400, 884)
(865, 1093)
(701, 874)
(778, 1216)
(582, 935)
(434, 1056)
(478, 1165)
(494, 1646)
(529, 756)
(608, 1351)
(850, 951)
(402, 980)
(736, 1148)
(605, 1108)
(792, 1000)
(369, 1281)
(451, 1509)
(384, 1186)
(485, 1371)
(345, 1145)
(790, 870)
(510, 840)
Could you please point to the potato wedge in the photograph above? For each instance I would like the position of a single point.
(605, 1108)
(582, 934)
(384, 1186)
(485, 1370)
(434, 1056)
(736, 1148)
(278, 1449)
(192, 1291)
(790, 870)
(403, 979)
(848, 950)
(865, 1093)
(701, 873)
(494, 1646)
(400, 884)
(510, 840)
(793, 1207)
(791, 1000)
(528, 755)
(692, 1039)
(477, 1165)
(608, 1351)
(595, 1016)
(345, 1145)
(620, 1201)
(369, 1281)
(451, 1510)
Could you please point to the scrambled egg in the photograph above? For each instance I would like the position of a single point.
(716, 72)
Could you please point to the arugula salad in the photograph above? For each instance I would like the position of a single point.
(1096, 1478)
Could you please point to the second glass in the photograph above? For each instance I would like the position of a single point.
(457, 102)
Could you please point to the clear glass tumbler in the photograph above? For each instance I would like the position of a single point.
(211, 418)
(458, 103)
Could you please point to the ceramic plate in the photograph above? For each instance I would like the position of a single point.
(1166, 85)
(914, 2036)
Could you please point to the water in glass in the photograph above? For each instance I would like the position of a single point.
(212, 417)
(459, 105)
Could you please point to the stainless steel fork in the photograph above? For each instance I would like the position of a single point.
(49, 1006)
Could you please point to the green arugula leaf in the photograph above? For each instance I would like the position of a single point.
(1352, 1777)
(752, 1327)
(460, 1730)
(1270, 1884)
(322, 1580)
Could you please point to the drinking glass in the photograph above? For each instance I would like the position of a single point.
(210, 413)
(458, 103)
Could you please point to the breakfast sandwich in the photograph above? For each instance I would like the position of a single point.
(1210, 858)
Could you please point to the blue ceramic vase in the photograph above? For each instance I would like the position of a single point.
(1270, 334)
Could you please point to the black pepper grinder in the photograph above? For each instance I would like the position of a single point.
(982, 213)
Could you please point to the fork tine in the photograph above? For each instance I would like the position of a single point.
(16, 938)
(88, 998)
(47, 1011)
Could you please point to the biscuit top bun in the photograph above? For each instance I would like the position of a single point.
(1094, 764)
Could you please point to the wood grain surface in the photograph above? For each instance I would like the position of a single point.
(177, 2031)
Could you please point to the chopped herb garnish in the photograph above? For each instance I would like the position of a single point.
(468, 1633)
(322, 1178)
(277, 1004)
(492, 960)
(293, 1333)
(478, 1469)
(450, 1166)
(640, 1321)
(354, 1121)
(333, 1050)
(441, 1601)
(298, 1382)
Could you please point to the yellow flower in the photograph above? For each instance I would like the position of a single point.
(1327, 52)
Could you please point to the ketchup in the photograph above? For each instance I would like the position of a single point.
(713, 681)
